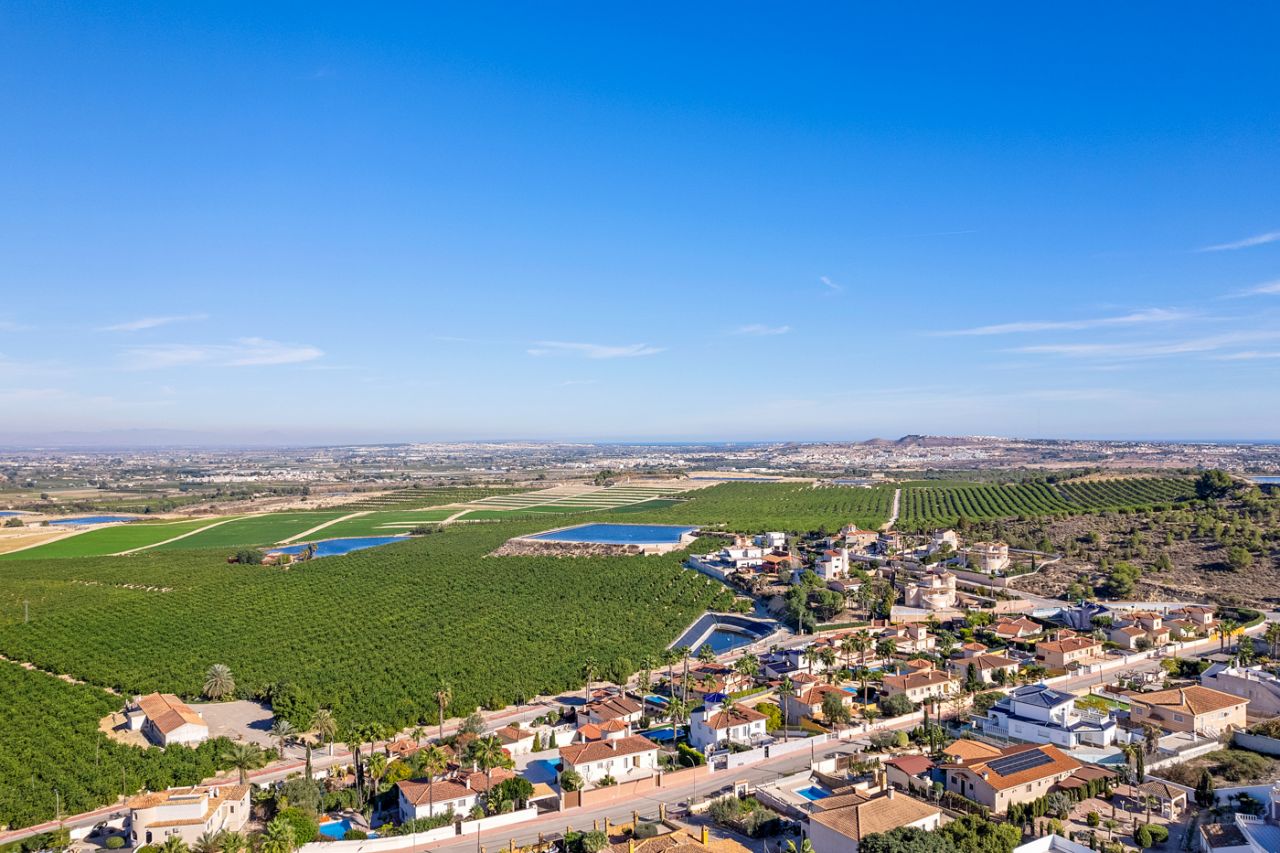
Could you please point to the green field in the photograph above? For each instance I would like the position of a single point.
(111, 540)
(49, 740)
(772, 506)
(929, 504)
(416, 497)
(365, 634)
(384, 523)
(266, 529)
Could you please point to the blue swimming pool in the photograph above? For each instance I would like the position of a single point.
(618, 534)
(722, 641)
(813, 792)
(6, 513)
(93, 519)
(338, 547)
(662, 734)
(338, 829)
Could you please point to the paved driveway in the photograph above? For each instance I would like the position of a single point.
(238, 720)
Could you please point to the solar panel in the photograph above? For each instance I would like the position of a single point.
(1011, 764)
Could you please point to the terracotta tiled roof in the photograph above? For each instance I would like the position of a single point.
(1058, 762)
(912, 765)
(1195, 700)
(1070, 644)
(478, 781)
(913, 680)
(513, 734)
(151, 799)
(580, 753)
(880, 814)
(967, 749)
(167, 712)
(418, 793)
(613, 707)
(735, 716)
(1163, 790)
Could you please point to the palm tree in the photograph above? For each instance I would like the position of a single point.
(786, 690)
(218, 683)
(1272, 636)
(646, 674)
(377, 767)
(444, 695)
(174, 844)
(862, 645)
(827, 657)
(806, 846)
(748, 666)
(324, 726)
(208, 842)
(417, 733)
(886, 649)
(869, 713)
(683, 653)
(677, 710)
(278, 838)
(282, 732)
(706, 654)
(1225, 630)
(487, 752)
(243, 756)
(1150, 738)
(233, 842)
(433, 760)
(848, 647)
(589, 668)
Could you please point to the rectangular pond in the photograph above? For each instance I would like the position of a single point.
(617, 534)
(94, 519)
(338, 547)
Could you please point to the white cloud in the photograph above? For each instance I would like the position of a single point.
(1247, 242)
(152, 322)
(245, 352)
(1271, 288)
(831, 285)
(1136, 318)
(1209, 343)
(1248, 355)
(597, 351)
(760, 329)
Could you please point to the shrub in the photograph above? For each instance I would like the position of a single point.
(571, 780)
(305, 829)
(115, 842)
(354, 834)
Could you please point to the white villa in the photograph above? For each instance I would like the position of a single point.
(833, 564)
(430, 799)
(623, 758)
(934, 590)
(186, 813)
(712, 725)
(989, 556)
(1254, 683)
(165, 720)
(1040, 714)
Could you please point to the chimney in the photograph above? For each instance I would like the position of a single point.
(889, 793)
(466, 781)
(631, 845)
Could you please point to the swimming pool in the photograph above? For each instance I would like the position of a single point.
(813, 792)
(338, 829)
(617, 534)
(722, 641)
(663, 734)
(93, 519)
(338, 547)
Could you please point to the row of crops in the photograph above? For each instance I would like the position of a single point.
(930, 506)
(414, 497)
(368, 635)
(796, 507)
(49, 741)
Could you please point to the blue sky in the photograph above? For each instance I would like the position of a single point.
(717, 221)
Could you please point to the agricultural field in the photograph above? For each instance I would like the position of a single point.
(266, 529)
(368, 634)
(928, 505)
(416, 497)
(774, 506)
(384, 523)
(49, 740)
(112, 539)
